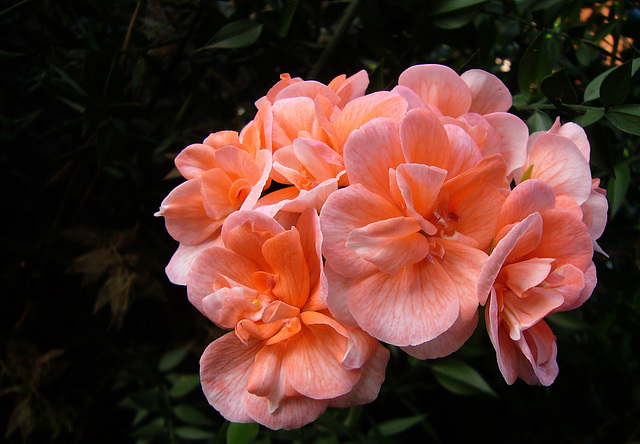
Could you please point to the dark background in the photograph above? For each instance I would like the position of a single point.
(96, 99)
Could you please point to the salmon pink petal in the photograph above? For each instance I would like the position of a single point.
(290, 117)
(440, 86)
(523, 275)
(463, 265)
(184, 214)
(478, 214)
(337, 338)
(412, 98)
(419, 186)
(488, 92)
(213, 262)
(574, 133)
(178, 268)
(318, 158)
(371, 378)
(564, 238)
(360, 348)
(521, 239)
(284, 254)
(337, 297)
(215, 188)
(224, 371)
(590, 281)
(350, 88)
(558, 161)
(221, 139)
(571, 286)
(491, 170)
(540, 349)
(238, 162)
(227, 306)
(389, 244)
(364, 109)
(278, 310)
(424, 139)
(449, 341)
(308, 226)
(528, 197)
(595, 211)
(371, 151)
(346, 210)
(412, 306)
(308, 88)
(465, 153)
(292, 413)
(519, 314)
(513, 139)
(195, 160)
(312, 369)
(263, 161)
(287, 169)
(246, 231)
(266, 377)
(507, 353)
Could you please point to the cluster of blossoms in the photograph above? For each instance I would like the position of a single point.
(397, 214)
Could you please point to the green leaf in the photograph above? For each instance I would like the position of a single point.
(399, 425)
(592, 91)
(236, 34)
(150, 430)
(184, 384)
(242, 433)
(535, 65)
(569, 321)
(287, 16)
(460, 378)
(527, 174)
(617, 187)
(193, 433)
(558, 88)
(615, 87)
(171, 359)
(626, 118)
(445, 6)
(591, 116)
(191, 415)
(539, 121)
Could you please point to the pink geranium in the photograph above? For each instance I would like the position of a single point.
(541, 264)
(476, 101)
(224, 173)
(404, 242)
(288, 358)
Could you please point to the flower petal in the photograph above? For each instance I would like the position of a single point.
(440, 86)
(412, 306)
(488, 92)
(224, 371)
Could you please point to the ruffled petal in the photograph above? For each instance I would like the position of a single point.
(346, 210)
(412, 306)
(224, 371)
(488, 93)
(440, 86)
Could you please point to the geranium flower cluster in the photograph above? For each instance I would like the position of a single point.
(338, 219)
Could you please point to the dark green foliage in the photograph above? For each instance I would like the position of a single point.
(96, 99)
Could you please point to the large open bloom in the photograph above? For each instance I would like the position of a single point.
(288, 358)
(541, 264)
(404, 242)
(306, 124)
(560, 157)
(224, 173)
(476, 101)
